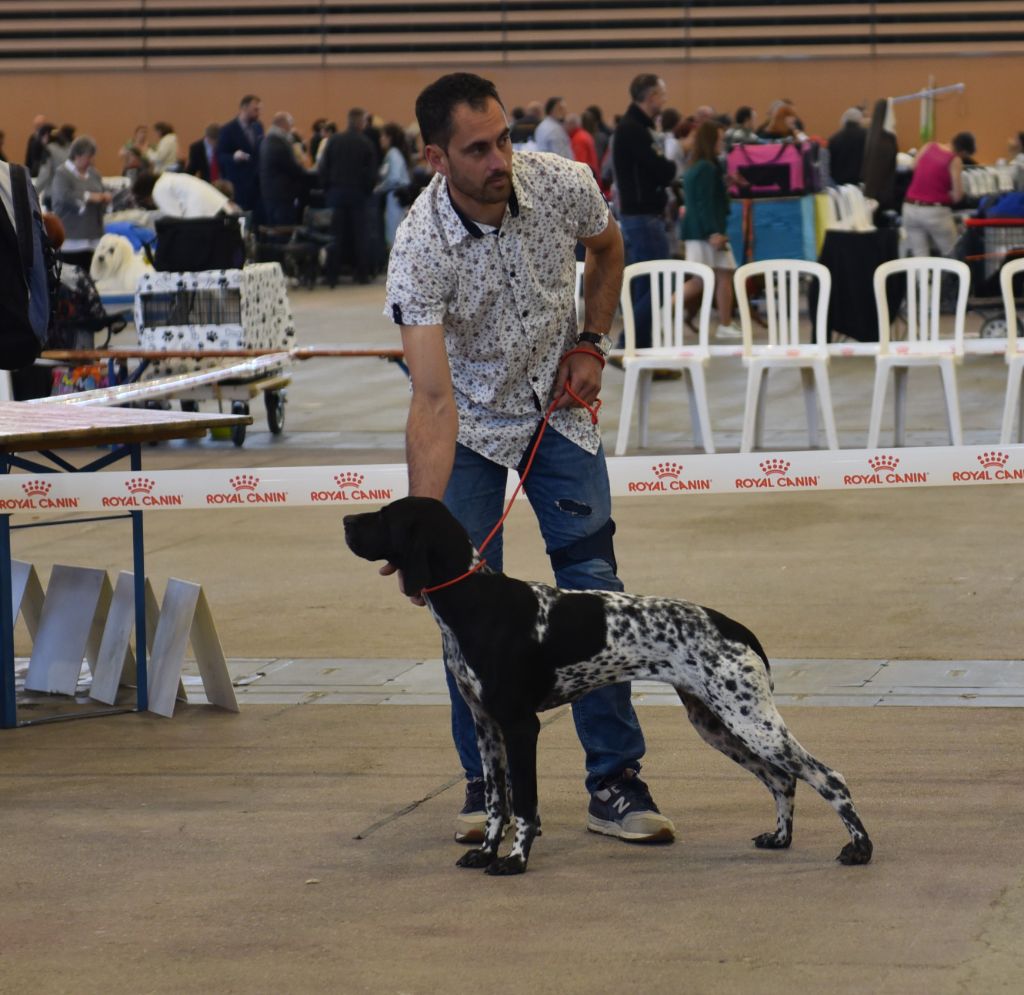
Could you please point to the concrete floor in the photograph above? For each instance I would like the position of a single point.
(297, 849)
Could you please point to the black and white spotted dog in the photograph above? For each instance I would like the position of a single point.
(516, 648)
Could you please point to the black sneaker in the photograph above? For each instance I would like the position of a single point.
(470, 822)
(622, 807)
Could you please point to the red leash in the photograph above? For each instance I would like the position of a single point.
(592, 408)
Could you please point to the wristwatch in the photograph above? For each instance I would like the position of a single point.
(602, 343)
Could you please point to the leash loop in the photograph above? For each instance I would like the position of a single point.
(592, 408)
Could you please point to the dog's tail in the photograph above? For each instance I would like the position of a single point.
(735, 632)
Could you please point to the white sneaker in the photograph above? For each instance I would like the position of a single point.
(729, 331)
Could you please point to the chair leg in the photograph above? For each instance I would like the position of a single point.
(825, 397)
(899, 415)
(699, 415)
(810, 405)
(646, 376)
(956, 435)
(762, 404)
(626, 411)
(755, 383)
(1015, 372)
(877, 403)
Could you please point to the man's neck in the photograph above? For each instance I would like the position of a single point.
(484, 214)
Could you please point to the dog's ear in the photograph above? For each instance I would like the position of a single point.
(416, 572)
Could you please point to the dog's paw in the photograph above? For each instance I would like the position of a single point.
(772, 841)
(504, 866)
(476, 858)
(854, 853)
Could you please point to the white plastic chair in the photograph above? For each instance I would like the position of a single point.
(667, 350)
(1012, 409)
(784, 348)
(924, 346)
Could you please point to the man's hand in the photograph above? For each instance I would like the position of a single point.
(387, 570)
(582, 371)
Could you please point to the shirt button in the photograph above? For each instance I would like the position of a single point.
(526, 314)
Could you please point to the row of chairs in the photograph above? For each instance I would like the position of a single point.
(929, 341)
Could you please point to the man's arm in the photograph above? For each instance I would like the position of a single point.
(602, 281)
(433, 420)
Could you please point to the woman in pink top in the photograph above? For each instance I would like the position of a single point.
(934, 188)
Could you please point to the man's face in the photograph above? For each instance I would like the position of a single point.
(251, 112)
(558, 112)
(654, 101)
(478, 160)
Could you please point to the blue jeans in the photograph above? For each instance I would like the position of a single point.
(645, 238)
(569, 493)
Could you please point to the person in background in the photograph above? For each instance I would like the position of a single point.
(781, 124)
(846, 148)
(1016, 161)
(80, 202)
(392, 177)
(550, 135)
(316, 136)
(181, 195)
(524, 126)
(202, 155)
(934, 188)
(283, 181)
(133, 147)
(238, 152)
(582, 141)
(163, 156)
(704, 223)
(35, 148)
(742, 130)
(642, 174)
(57, 145)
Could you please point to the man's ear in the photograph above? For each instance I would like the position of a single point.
(437, 158)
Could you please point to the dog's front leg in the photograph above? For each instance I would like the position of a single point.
(496, 792)
(521, 748)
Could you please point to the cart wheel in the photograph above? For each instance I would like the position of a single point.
(238, 431)
(993, 328)
(274, 400)
(191, 406)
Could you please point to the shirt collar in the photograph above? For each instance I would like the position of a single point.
(458, 226)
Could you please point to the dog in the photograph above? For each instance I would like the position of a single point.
(518, 648)
(115, 268)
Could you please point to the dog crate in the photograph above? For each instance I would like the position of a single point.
(212, 310)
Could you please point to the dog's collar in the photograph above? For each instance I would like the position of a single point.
(448, 583)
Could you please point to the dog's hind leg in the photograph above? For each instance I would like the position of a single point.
(521, 749)
(491, 743)
(752, 717)
(781, 784)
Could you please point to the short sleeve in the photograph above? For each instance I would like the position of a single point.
(421, 279)
(592, 208)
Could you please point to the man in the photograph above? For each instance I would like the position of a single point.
(582, 141)
(641, 174)
(202, 155)
(550, 135)
(238, 153)
(282, 180)
(35, 148)
(348, 172)
(180, 195)
(742, 130)
(846, 147)
(481, 280)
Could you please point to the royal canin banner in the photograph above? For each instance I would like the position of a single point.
(630, 476)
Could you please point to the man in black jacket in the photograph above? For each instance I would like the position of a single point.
(641, 174)
(846, 147)
(202, 155)
(348, 172)
(238, 153)
(282, 179)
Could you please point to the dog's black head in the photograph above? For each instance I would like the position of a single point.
(418, 535)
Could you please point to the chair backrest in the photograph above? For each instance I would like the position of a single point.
(782, 302)
(1006, 275)
(667, 277)
(923, 302)
(579, 293)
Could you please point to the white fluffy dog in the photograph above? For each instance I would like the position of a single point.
(116, 268)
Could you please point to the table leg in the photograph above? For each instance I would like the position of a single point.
(139, 567)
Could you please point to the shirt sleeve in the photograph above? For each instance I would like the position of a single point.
(421, 278)
(591, 209)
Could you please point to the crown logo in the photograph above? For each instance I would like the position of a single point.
(244, 482)
(994, 460)
(350, 478)
(668, 469)
(883, 463)
(140, 485)
(776, 466)
(37, 488)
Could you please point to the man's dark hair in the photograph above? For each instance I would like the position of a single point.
(744, 114)
(552, 103)
(246, 100)
(963, 141)
(142, 188)
(356, 117)
(434, 106)
(642, 85)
